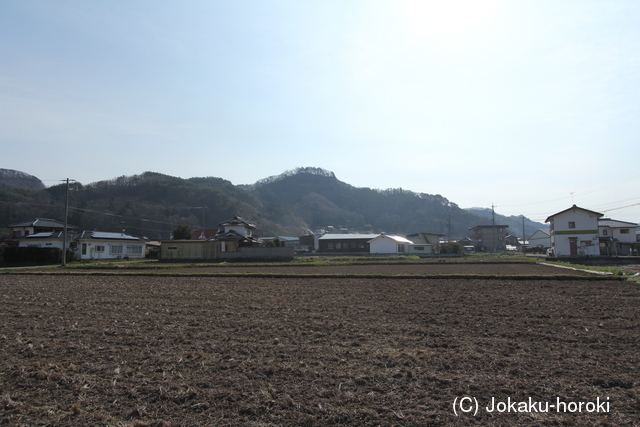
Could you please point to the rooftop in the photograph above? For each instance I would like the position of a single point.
(348, 236)
(41, 223)
(613, 223)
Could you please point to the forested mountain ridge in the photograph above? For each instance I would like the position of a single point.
(15, 179)
(153, 204)
(320, 199)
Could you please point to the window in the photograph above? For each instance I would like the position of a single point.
(572, 224)
(499, 230)
(605, 232)
(400, 248)
(586, 243)
(418, 248)
(500, 238)
(99, 248)
(330, 246)
(115, 249)
(624, 231)
(134, 249)
(338, 245)
(172, 248)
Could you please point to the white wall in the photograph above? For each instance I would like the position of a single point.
(383, 246)
(93, 252)
(387, 245)
(539, 239)
(44, 243)
(585, 233)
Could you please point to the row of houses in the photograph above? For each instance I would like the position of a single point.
(574, 232)
(233, 240)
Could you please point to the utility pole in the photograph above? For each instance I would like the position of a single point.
(524, 237)
(493, 223)
(66, 224)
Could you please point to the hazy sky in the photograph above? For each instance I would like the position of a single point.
(527, 105)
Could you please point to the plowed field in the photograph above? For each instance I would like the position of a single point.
(258, 351)
(423, 268)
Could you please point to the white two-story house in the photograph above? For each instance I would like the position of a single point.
(574, 232)
(616, 237)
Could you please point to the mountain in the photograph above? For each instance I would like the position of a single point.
(515, 223)
(16, 179)
(152, 204)
(317, 198)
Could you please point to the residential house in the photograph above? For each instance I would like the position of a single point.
(236, 233)
(46, 239)
(490, 238)
(540, 239)
(106, 245)
(89, 244)
(334, 243)
(38, 225)
(574, 232)
(616, 237)
(424, 243)
(389, 244)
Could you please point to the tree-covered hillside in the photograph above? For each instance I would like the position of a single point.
(15, 179)
(152, 205)
(319, 199)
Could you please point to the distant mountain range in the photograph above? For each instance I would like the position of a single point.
(290, 204)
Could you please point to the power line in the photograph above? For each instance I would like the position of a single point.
(577, 193)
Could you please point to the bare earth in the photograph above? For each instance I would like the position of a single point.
(426, 268)
(170, 350)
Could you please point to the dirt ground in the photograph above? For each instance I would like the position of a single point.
(423, 268)
(220, 351)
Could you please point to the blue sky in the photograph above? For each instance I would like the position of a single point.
(527, 105)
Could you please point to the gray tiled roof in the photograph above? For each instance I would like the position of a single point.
(613, 223)
(42, 223)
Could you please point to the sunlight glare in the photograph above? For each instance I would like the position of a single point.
(450, 22)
